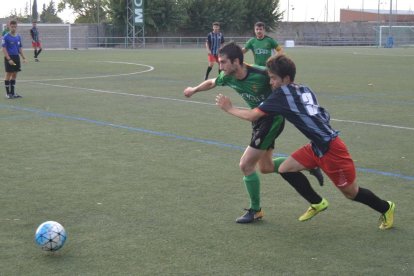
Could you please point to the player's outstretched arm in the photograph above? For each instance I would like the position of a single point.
(204, 86)
(246, 114)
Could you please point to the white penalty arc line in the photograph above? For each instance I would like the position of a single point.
(203, 103)
(150, 68)
(373, 124)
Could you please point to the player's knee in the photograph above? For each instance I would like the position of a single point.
(350, 192)
(246, 168)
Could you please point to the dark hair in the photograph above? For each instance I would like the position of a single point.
(259, 24)
(216, 23)
(282, 66)
(13, 22)
(232, 51)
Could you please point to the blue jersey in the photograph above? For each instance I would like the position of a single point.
(214, 41)
(12, 43)
(298, 104)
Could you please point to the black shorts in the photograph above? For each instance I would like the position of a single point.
(12, 68)
(265, 131)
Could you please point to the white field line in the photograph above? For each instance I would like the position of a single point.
(151, 68)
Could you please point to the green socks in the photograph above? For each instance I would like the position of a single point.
(252, 183)
(277, 162)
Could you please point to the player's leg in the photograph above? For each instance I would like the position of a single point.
(252, 182)
(39, 46)
(7, 78)
(38, 50)
(218, 64)
(291, 169)
(13, 85)
(34, 46)
(210, 65)
(340, 168)
(268, 164)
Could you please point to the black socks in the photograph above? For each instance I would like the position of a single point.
(301, 184)
(367, 197)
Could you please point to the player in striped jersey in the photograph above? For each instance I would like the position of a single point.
(213, 43)
(298, 104)
(36, 42)
(252, 84)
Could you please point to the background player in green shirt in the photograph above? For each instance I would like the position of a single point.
(262, 45)
(6, 29)
(253, 85)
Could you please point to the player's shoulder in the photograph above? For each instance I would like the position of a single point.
(254, 68)
(269, 38)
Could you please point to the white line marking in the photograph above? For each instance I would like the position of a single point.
(150, 68)
(203, 103)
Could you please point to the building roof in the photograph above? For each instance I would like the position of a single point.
(396, 12)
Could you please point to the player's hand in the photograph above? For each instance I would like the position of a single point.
(11, 62)
(24, 60)
(223, 102)
(189, 91)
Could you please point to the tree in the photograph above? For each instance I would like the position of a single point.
(163, 16)
(195, 17)
(266, 11)
(49, 14)
(35, 14)
(89, 11)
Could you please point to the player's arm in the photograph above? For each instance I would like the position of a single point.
(21, 54)
(208, 44)
(246, 114)
(204, 86)
(32, 34)
(6, 55)
(279, 50)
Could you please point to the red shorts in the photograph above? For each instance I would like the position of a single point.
(337, 163)
(212, 58)
(36, 44)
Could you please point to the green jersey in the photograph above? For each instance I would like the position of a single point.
(261, 48)
(5, 31)
(254, 88)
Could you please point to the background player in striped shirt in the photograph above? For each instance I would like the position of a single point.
(36, 42)
(298, 104)
(252, 84)
(213, 43)
(262, 45)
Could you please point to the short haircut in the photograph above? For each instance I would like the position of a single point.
(282, 66)
(216, 23)
(259, 24)
(232, 51)
(13, 22)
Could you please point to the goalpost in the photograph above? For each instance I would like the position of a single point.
(52, 35)
(400, 36)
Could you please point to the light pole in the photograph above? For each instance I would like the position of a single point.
(288, 11)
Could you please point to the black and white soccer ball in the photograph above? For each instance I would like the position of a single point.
(50, 236)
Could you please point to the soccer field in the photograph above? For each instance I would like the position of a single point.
(146, 181)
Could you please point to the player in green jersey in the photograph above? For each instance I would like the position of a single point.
(6, 30)
(262, 45)
(252, 83)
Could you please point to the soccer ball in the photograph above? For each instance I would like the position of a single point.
(50, 236)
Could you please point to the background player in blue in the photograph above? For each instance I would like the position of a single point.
(12, 48)
(213, 43)
(252, 84)
(298, 104)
